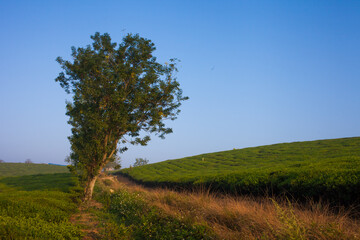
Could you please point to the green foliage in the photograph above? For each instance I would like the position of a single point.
(17, 169)
(38, 207)
(140, 162)
(327, 169)
(118, 91)
(53, 182)
(292, 228)
(137, 220)
(107, 182)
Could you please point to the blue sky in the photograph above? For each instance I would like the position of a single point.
(256, 72)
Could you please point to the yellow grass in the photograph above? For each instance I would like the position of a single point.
(247, 218)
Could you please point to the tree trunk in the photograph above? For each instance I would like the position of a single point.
(89, 187)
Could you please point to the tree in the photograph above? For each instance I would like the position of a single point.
(114, 163)
(2, 161)
(140, 162)
(28, 161)
(121, 94)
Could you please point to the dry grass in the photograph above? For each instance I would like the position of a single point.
(247, 218)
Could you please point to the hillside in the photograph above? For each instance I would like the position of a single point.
(19, 169)
(327, 169)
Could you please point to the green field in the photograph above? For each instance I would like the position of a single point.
(326, 169)
(37, 206)
(21, 169)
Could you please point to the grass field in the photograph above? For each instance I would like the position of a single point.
(20, 169)
(326, 169)
(37, 206)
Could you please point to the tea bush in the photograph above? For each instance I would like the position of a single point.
(38, 207)
(326, 169)
(20, 169)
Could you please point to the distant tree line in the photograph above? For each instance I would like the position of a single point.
(28, 161)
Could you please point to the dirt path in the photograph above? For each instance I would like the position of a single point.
(118, 182)
(125, 181)
(86, 216)
(88, 220)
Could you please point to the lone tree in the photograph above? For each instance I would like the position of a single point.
(119, 92)
(140, 162)
(28, 161)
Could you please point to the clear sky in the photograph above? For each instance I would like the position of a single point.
(256, 72)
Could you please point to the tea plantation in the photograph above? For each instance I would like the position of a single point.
(20, 169)
(323, 169)
(37, 206)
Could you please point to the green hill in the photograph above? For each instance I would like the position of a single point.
(327, 169)
(19, 169)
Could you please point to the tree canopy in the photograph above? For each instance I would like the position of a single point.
(119, 92)
(28, 161)
(140, 162)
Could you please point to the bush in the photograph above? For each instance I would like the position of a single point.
(325, 169)
(137, 220)
(38, 207)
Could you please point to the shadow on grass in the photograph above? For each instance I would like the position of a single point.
(54, 182)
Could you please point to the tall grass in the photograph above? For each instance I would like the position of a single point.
(136, 218)
(232, 217)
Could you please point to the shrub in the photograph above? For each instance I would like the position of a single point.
(325, 169)
(38, 207)
(137, 220)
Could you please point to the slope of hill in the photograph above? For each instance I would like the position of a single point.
(19, 169)
(327, 169)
